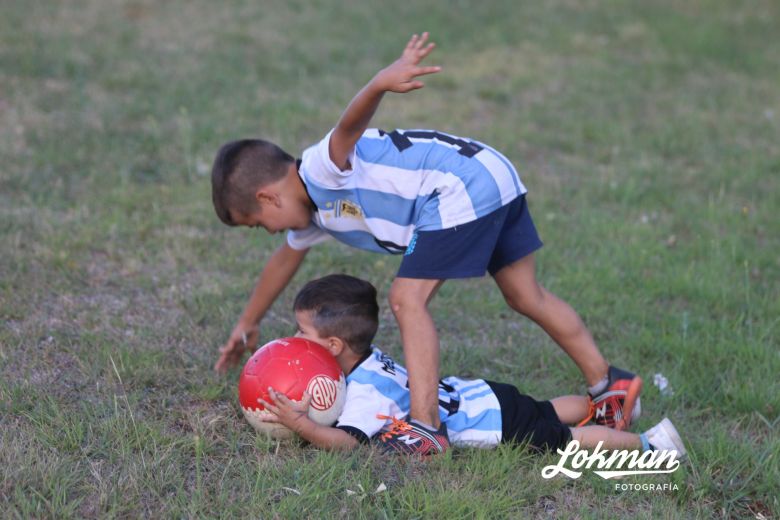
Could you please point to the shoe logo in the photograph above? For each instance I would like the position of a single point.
(408, 440)
(611, 466)
(601, 412)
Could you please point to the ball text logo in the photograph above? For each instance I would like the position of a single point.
(323, 391)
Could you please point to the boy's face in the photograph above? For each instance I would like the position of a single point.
(281, 205)
(343, 354)
(275, 217)
(306, 330)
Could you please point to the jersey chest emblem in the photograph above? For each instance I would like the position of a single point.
(347, 208)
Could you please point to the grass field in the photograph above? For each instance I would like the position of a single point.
(648, 134)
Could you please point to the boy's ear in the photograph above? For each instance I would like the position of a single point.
(336, 345)
(265, 197)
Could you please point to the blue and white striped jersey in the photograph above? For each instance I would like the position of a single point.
(401, 182)
(378, 386)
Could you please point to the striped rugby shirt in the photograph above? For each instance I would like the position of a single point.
(401, 182)
(378, 386)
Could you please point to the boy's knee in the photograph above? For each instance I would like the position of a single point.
(527, 302)
(402, 300)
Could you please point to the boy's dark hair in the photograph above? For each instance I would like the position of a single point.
(342, 306)
(240, 168)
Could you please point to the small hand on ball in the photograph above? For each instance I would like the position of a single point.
(285, 410)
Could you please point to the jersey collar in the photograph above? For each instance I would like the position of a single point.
(300, 176)
(362, 358)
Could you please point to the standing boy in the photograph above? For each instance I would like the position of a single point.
(454, 207)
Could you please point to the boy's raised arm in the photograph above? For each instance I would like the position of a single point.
(399, 76)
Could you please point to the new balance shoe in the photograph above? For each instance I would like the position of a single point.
(412, 438)
(664, 436)
(618, 404)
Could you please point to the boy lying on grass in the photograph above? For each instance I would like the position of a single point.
(340, 313)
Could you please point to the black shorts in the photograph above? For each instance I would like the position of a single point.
(489, 243)
(525, 419)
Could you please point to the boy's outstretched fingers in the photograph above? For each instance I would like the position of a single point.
(400, 75)
(271, 408)
(244, 337)
(416, 49)
(282, 400)
(229, 356)
(415, 42)
(305, 400)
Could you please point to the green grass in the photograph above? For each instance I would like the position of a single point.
(647, 133)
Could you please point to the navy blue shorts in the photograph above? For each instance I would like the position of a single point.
(524, 419)
(469, 250)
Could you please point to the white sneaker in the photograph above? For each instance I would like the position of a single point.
(664, 436)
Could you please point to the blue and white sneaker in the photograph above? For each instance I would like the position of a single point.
(664, 436)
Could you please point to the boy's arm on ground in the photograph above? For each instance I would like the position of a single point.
(325, 437)
(396, 77)
(293, 414)
(276, 274)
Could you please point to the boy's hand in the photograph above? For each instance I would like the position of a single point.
(288, 412)
(399, 75)
(241, 339)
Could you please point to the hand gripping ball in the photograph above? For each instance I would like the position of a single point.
(292, 366)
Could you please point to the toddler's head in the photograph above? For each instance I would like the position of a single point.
(338, 306)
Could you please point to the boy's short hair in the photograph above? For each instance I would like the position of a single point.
(342, 306)
(240, 168)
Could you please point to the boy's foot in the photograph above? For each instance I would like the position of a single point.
(664, 436)
(618, 404)
(412, 438)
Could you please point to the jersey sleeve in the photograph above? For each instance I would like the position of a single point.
(300, 239)
(363, 404)
(318, 167)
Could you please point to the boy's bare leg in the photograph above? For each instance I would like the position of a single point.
(409, 299)
(571, 409)
(590, 436)
(523, 293)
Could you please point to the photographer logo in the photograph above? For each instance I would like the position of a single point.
(609, 464)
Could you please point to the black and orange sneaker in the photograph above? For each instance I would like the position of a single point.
(411, 438)
(619, 404)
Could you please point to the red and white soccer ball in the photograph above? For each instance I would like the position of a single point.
(291, 366)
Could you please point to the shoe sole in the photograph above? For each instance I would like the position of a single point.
(632, 398)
